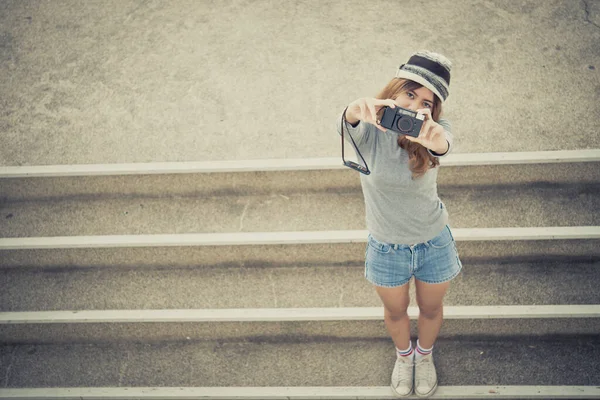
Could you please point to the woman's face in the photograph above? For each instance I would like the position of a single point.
(415, 99)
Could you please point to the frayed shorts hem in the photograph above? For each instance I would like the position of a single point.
(387, 285)
(442, 281)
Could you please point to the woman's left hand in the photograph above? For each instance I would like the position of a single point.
(432, 134)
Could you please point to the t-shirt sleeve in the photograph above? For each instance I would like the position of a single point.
(449, 137)
(360, 133)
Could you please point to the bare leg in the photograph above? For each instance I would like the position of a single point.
(430, 298)
(395, 302)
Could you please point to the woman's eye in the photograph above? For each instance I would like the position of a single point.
(410, 95)
(427, 105)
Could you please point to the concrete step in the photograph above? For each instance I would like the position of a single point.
(256, 177)
(86, 347)
(470, 206)
(289, 164)
(28, 292)
(304, 392)
(109, 326)
(282, 287)
(299, 248)
(297, 361)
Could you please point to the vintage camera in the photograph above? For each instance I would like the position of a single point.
(402, 121)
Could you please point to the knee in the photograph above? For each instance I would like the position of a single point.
(431, 312)
(395, 314)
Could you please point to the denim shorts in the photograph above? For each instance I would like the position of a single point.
(392, 265)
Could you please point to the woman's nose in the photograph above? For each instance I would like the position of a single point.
(413, 106)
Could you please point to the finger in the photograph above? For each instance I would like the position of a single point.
(381, 128)
(424, 133)
(433, 131)
(412, 139)
(386, 102)
(378, 105)
(437, 132)
(425, 111)
(417, 140)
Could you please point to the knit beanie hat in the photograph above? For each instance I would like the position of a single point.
(431, 70)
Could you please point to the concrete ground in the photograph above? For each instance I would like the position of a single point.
(116, 81)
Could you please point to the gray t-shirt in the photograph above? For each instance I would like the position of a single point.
(399, 209)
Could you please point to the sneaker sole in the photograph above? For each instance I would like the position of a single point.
(403, 395)
(428, 394)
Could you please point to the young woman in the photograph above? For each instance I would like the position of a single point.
(407, 222)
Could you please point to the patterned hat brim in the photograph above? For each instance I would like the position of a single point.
(402, 73)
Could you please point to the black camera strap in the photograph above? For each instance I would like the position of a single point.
(351, 164)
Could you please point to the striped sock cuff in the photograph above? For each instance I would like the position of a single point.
(404, 353)
(423, 351)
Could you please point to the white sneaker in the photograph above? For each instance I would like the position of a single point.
(402, 376)
(425, 376)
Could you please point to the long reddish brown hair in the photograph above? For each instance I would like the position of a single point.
(420, 161)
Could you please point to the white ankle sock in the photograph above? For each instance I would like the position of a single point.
(406, 353)
(421, 352)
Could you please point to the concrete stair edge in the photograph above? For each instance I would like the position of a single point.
(375, 392)
(458, 159)
(291, 314)
(275, 238)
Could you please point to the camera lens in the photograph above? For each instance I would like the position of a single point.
(405, 124)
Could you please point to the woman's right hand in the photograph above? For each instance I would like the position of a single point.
(366, 109)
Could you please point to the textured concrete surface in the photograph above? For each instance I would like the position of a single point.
(132, 81)
(344, 254)
(469, 207)
(140, 81)
(351, 362)
(157, 332)
(284, 182)
(293, 287)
